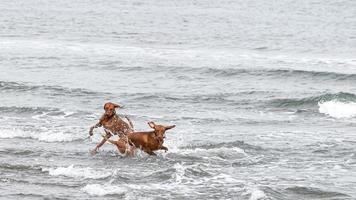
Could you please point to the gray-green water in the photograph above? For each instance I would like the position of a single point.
(262, 94)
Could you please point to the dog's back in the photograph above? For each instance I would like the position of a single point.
(144, 140)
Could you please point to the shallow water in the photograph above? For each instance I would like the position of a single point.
(262, 95)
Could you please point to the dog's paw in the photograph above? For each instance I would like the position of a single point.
(93, 152)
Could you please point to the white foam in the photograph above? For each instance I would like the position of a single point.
(128, 189)
(76, 172)
(48, 136)
(338, 109)
(254, 193)
(180, 171)
(257, 194)
(102, 190)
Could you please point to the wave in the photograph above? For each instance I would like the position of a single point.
(102, 190)
(213, 98)
(223, 152)
(338, 109)
(32, 110)
(19, 152)
(177, 176)
(265, 72)
(238, 144)
(77, 172)
(42, 112)
(311, 193)
(179, 184)
(41, 136)
(236, 153)
(50, 90)
(312, 101)
(225, 72)
(19, 167)
(248, 99)
(230, 98)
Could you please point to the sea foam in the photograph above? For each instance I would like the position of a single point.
(257, 194)
(102, 190)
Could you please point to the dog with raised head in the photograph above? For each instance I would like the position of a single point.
(148, 141)
(113, 125)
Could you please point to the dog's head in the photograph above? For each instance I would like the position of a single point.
(110, 109)
(160, 130)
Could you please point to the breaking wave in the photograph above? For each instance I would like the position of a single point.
(338, 109)
(312, 101)
(256, 194)
(102, 190)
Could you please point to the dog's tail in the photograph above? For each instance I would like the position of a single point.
(107, 139)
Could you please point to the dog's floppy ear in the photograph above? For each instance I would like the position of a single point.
(151, 124)
(116, 105)
(169, 127)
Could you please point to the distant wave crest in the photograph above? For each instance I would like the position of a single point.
(264, 72)
(313, 100)
(46, 89)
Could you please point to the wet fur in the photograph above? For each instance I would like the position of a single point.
(148, 141)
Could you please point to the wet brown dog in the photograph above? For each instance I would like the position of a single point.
(148, 141)
(113, 125)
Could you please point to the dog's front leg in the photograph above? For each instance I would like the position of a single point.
(164, 148)
(93, 127)
(105, 138)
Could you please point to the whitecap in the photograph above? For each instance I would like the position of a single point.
(338, 109)
(254, 193)
(257, 194)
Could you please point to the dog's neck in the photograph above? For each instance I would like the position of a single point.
(110, 117)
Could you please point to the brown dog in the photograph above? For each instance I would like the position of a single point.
(113, 125)
(147, 141)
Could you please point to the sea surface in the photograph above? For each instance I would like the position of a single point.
(262, 93)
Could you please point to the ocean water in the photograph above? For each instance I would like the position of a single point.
(262, 94)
